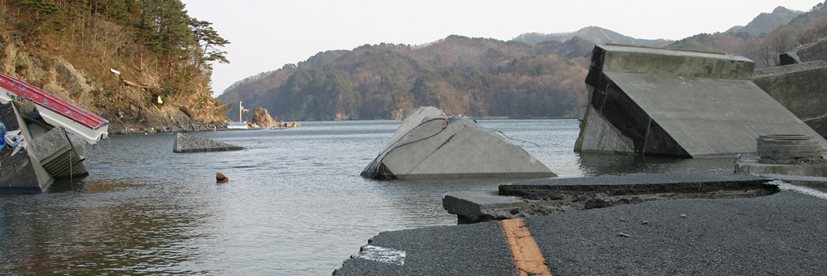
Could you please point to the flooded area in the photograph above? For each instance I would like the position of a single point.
(295, 203)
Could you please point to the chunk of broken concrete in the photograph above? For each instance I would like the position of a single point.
(649, 101)
(804, 53)
(185, 143)
(429, 144)
(799, 88)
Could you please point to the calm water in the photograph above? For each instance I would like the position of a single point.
(295, 204)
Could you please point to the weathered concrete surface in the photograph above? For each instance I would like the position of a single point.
(187, 143)
(17, 173)
(412, 120)
(58, 155)
(801, 88)
(781, 234)
(808, 52)
(475, 206)
(430, 145)
(553, 195)
(749, 164)
(602, 135)
(679, 103)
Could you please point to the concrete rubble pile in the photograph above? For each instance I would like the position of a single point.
(651, 101)
(429, 144)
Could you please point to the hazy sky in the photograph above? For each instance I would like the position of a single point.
(266, 34)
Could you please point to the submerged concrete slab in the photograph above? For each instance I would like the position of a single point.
(678, 103)
(185, 143)
(801, 88)
(430, 145)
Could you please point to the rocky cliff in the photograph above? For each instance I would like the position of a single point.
(100, 56)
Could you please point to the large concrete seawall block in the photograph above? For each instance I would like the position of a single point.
(678, 103)
(808, 52)
(801, 88)
(429, 145)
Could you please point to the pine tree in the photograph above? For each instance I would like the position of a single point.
(210, 43)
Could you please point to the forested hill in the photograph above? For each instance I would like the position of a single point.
(473, 76)
(765, 23)
(74, 49)
(761, 44)
(534, 75)
(594, 34)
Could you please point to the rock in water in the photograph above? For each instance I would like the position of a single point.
(188, 143)
(262, 118)
(221, 178)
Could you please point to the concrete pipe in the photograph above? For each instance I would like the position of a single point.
(787, 149)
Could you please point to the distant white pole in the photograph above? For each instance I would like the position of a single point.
(240, 109)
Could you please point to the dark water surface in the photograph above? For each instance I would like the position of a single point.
(295, 204)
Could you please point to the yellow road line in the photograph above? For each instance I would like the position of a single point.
(527, 256)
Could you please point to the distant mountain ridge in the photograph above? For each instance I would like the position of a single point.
(533, 75)
(594, 34)
(461, 75)
(764, 49)
(765, 23)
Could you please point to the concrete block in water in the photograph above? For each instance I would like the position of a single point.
(431, 145)
(187, 143)
(801, 88)
(678, 103)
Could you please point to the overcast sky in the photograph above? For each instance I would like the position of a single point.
(267, 34)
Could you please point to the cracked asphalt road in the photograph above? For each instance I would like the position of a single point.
(781, 234)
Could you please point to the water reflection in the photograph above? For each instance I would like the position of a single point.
(419, 202)
(601, 164)
(86, 233)
(295, 204)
